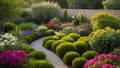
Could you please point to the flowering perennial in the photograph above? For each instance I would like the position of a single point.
(8, 39)
(12, 59)
(103, 61)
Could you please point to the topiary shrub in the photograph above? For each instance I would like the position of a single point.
(49, 43)
(49, 32)
(56, 43)
(103, 19)
(64, 48)
(9, 26)
(75, 36)
(37, 64)
(81, 46)
(28, 39)
(27, 48)
(60, 35)
(51, 10)
(89, 54)
(69, 56)
(32, 36)
(84, 32)
(65, 16)
(79, 62)
(38, 55)
(67, 39)
(47, 38)
(105, 40)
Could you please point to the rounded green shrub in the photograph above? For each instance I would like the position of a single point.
(32, 36)
(36, 34)
(75, 36)
(104, 40)
(60, 35)
(85, 39)
(63, 48)
(49, 32)
(69, 56)
(103, 19)
(9, 26)
(31, 63)
(68, 39)
(49, 43)
(79, 62)
(81, 46)
(38, 55)
(44, 11)
(84, 32)
(27, 48)
(56, 43)
(47, 38)
(89, 54)
(28, 39)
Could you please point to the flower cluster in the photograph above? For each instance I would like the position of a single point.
(102, 61)
(42, 28)
(12, 59)
(8, 39)
(52, 24)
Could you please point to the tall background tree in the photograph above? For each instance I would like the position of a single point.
(112, 4)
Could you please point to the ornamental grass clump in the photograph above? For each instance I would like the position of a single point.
(12, 59)
(103, 61)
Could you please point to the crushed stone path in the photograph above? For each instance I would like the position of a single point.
(50, 56)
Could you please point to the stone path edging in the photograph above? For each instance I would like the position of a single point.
(50, 56)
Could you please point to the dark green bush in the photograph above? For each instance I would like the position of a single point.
(32, 36)
(60, 35)
(47, 38)
(65, 16)
(27, 26)
(49, 32)
(104, 40)
(63, 48)
(79, 62)
(37, 35)
(56, 43)
(28, 39)
(49, 43)
(38, 55)
(75, 36)
(89, 54)
(68, 39)
(27, 48)
(84, 32)
(37, 64)
(81, 46)
(69, 56)
(103, 19)
(9, 26)
(82, 19)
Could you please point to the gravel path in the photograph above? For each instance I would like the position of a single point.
(52, 57)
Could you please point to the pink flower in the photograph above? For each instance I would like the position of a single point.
(107, 66)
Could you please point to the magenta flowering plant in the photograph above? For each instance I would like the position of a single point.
(103, 61)
(12, 59)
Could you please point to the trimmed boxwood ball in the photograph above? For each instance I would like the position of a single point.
(49, 43)
(56, 43)
(47, 38)
(38, 55)
(60, 35)
(81, 46)
(28, 39)
(69, 56)
(75, 36)
(64, 48)
(31, 63)
(89, 54)
(85, 39)
(27, 48)
(84, 32)
(68, 39)
(49, 32)
(79, 62)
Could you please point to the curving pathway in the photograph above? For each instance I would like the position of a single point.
(50, 56)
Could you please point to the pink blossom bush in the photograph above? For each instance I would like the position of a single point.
(103, 61)
(12, 59)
